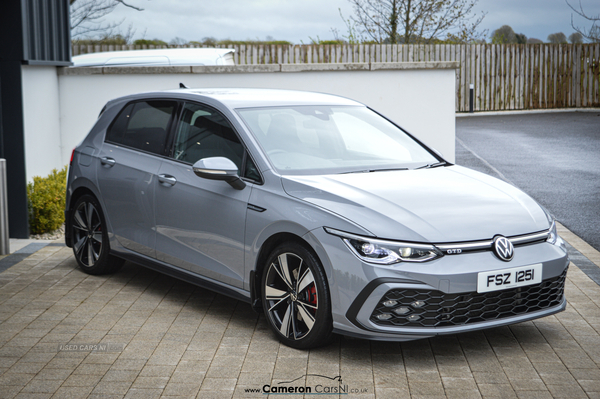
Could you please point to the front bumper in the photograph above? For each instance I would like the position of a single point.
(415, 308)
(448, 288)
(405, 334)
(458, 312)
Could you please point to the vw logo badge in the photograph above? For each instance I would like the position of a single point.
(503, 248)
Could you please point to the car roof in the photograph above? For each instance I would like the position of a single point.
(173, 56)
(250, 98)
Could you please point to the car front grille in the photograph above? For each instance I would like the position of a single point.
(424, 308)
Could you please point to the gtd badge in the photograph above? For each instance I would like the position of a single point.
(503, 248)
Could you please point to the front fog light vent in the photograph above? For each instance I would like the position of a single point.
(402, 310)
(442, 309)
(390, 304)
(418, 304)
(384, 316)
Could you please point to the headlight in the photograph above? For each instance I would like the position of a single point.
(383, 252)
(552, 234)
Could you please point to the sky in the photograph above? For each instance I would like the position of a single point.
(299, 21)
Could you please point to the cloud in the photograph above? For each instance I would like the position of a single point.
(235, 19)
(534, 18)
(298, 20)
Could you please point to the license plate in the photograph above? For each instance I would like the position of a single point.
(509, 278)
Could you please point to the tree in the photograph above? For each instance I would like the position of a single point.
(593, 33)
(504, 35)
(178, 41)
(155, 42)
(87, 17)
(353, 36)
(576, 38)
(416, 21)
(207, 41)
(521, 38)
(557, 38)
(117, 39)
(533, 40)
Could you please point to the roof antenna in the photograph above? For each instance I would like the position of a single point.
(182, 86)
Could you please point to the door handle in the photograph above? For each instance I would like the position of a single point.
(107, 161)
(167, 180)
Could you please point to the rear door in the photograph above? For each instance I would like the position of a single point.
(127, 170)
(200, 223)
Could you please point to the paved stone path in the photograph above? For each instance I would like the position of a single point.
(155, 336)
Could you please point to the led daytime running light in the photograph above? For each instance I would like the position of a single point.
(386, 252)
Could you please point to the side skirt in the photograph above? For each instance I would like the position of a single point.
(185, 275)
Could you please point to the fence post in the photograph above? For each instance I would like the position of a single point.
(471, 87)
(4, 239)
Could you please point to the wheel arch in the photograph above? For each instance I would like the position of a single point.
(75, 195)
(91, 234)
(265, 250)
(78, 193)
(80, 187)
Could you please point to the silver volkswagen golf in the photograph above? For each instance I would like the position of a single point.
(313, 208)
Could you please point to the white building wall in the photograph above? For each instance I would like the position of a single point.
(41, 121)
(418, 97)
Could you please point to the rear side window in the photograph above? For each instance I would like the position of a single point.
(143, 125)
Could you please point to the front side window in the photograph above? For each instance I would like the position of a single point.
(332, 139)
(143, 125)
(205, 133)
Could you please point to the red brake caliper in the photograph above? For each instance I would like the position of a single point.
(312, 295)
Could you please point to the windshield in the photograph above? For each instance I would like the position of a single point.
(332, 139)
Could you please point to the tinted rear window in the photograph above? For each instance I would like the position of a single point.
(143, 125)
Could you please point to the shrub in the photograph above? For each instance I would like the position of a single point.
(46, 198)
(155, 42)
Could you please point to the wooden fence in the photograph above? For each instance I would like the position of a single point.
(504, 77)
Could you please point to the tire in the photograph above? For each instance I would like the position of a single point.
(90, 238)
(295, 297)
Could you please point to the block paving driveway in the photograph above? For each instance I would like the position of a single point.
(167, 338)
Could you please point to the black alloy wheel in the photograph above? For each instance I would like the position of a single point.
(90, 238)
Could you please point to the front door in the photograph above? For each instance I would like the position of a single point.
(200, 223)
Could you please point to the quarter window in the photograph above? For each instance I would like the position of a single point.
(143, 125)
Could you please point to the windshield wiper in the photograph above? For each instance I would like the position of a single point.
(433, 165)
(373, 170)
(387, 169)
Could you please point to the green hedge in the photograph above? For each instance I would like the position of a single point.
(46, 197)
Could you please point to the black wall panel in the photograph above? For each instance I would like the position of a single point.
(46, 33)
(32, 32)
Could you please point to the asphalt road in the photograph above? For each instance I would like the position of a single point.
(553, 157)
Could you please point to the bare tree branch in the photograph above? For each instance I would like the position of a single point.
(418, 21)
(87, 17)
(593, 33)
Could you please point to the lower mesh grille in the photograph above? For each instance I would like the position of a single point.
(423, 308)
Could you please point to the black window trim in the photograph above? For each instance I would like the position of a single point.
(170, 144)
(174, 115)
(175, 128)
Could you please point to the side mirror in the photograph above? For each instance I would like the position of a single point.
(219, 168)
